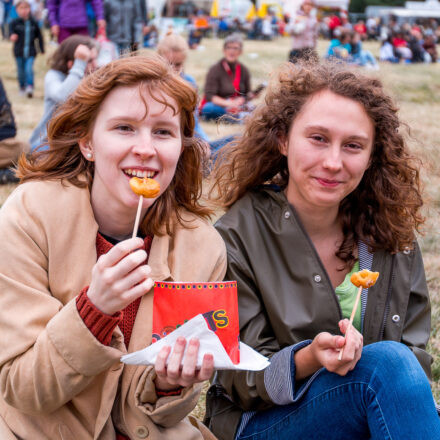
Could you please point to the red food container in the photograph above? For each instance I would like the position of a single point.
(176, 303)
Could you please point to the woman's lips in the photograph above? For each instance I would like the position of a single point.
(327, 182)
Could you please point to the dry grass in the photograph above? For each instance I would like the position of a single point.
(415, 88)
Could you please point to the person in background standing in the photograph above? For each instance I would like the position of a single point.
(25, 32)
(124, 23)
(69, 17)
(304, 29)
(6, 8)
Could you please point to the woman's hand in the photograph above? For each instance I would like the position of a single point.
(82, 52)
(173, 375)
(236, 102)
(55, 30)
(324, 352)
(119, 277)
(326, 349)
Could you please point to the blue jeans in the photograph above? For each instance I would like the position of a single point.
(386, 396)
(212, 111)
(25, 71)
(218, 144)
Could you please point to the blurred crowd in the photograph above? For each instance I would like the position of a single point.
(90, 33)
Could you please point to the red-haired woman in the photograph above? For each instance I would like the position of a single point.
(76, 291)
(322, 185)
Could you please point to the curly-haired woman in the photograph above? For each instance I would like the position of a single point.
(76, 290)
(321, 185)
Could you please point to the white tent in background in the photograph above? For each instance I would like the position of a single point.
(411, 11)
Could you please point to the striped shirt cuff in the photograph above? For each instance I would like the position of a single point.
(279, 376)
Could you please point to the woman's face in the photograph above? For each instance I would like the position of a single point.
(125, 143)
(176, 59)
(232, 51)
(328, 150)
(307, 7)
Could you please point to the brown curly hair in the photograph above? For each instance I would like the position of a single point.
(384, 210)
(74, 120)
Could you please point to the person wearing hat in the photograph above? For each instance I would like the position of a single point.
(25, 33)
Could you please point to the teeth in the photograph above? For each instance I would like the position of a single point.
(139, 173)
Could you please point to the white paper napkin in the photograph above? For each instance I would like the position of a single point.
(209, 343)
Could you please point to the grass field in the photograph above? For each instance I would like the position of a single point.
(416, 89)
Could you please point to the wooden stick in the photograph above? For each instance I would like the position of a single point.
(138, 216)
(353, 313)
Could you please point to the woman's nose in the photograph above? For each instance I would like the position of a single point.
(143, 145)
(333, 158)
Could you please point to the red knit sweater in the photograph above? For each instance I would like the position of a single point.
(102, 325)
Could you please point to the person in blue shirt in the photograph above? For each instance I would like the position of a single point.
(339, 46)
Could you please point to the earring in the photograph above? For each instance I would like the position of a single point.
(89, 155)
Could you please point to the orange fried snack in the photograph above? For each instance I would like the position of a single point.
(148, 188)
(364, 278)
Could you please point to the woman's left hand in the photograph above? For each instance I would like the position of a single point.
(184, 374)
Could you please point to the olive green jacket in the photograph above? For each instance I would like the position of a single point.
(286, 297)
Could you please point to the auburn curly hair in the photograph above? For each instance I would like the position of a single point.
(75, 118)
(384, 210)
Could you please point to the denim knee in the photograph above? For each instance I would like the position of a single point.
(394, 366)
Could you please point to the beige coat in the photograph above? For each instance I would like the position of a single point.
(57, 381)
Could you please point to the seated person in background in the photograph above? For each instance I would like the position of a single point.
(400, 44)
(340, 46)
(174, 49)
(430, 46)
(415, 44)
(228, 83)
(321, 185)
(10, 147)
(360, 56)
(388, 52)
(74, 58)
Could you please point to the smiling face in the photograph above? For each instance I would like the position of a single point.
(126, 142)
(328, 150)
(232, 51)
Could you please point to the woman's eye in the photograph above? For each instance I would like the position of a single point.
(318, 138)
(163, 132)
(354, 146)
(123, 127)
